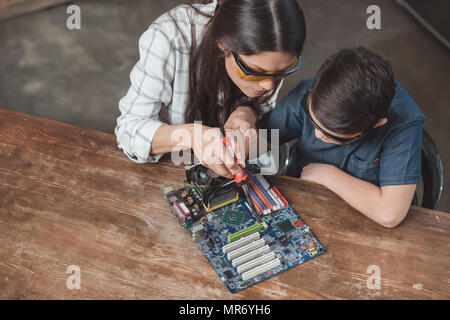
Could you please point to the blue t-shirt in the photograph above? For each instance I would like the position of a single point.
(386, 155)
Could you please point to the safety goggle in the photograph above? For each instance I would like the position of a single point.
(343, 141)
(245, 73)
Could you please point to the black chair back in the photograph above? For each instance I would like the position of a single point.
(432, 174)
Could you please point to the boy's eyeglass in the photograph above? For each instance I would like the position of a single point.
(245, 73)
(342, 141)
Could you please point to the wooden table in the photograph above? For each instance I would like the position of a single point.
(68, 196)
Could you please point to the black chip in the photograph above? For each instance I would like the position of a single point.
(285, 226)
(284, 239)
(228, 274)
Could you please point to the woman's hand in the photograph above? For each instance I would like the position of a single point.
(242, 125)
(211, 152)
(243, 118)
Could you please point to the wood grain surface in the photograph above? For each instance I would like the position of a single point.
(69, 196)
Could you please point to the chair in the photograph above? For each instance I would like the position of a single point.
(432, 171)
(432, 174)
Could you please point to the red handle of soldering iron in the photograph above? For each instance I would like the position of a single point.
(237, 179)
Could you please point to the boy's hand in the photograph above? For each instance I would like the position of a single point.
(387, 205)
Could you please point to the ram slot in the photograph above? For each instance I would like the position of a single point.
(285, 203)
(273, 204)
(241, 242)
(257, 201)
(262, 181)
(263, 199)
(254, 263)
(264, 208)
(261, 269)
(260, 210)
(250, 256)
(259, 192)
(278, 206)
(247, 248)
(278, 200)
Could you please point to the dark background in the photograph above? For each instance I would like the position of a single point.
(78, 76)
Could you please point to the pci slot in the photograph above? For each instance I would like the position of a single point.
(247, 248)
(247, 231)
(256, 262)
(250, 256)
(241, 242)
(261, 269)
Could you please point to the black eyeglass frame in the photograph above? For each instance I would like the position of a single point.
(250, 72)
(342, 141)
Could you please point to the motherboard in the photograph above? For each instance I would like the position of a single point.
(245, 240)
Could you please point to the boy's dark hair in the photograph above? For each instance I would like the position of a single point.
(352, 91)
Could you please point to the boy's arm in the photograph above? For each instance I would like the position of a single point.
(400, 167)
(386, 205)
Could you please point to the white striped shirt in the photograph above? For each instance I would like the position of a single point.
(159, 81)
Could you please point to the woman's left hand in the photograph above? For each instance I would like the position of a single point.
(243, 118)
(243, 123)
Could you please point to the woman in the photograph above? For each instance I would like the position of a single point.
(219, 63)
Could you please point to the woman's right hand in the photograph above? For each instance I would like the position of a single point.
(211, 152)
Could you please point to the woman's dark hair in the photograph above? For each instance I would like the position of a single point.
(352, 91)
(247, 27)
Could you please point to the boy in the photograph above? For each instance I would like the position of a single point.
(359, 134)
